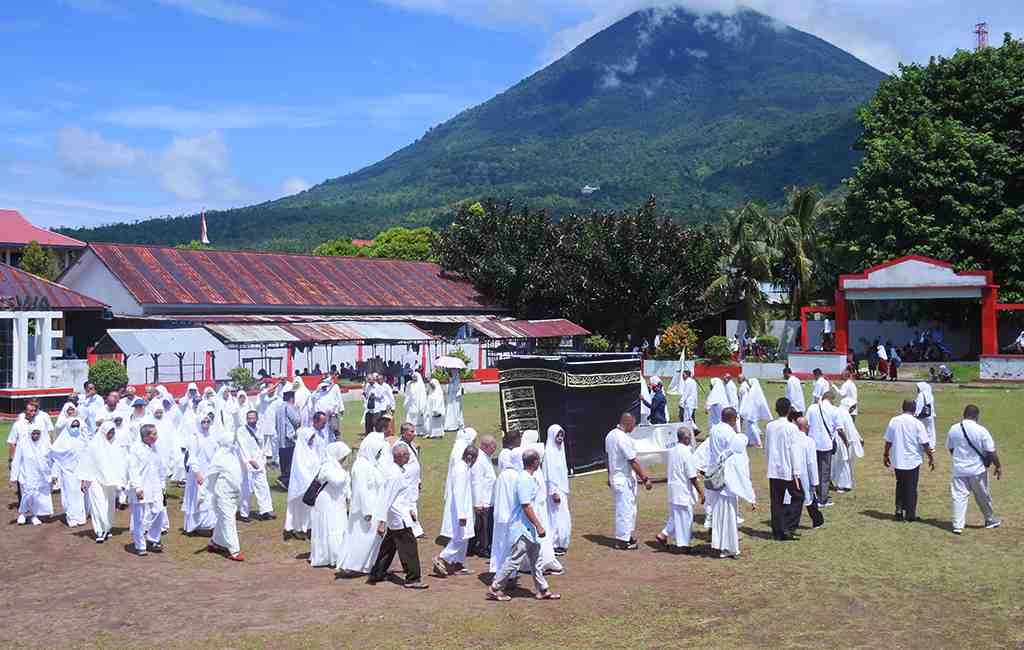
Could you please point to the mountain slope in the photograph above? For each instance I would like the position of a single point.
(703, 111)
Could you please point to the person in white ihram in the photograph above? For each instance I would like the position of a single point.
(684, 492)
(103, 471)
(146, 477)
(623, 473)
(973, 449)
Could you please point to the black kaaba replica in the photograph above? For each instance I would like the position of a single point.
(584, 393)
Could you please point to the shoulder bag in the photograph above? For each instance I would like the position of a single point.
(313, 491)
(835, 445)
(986, 458)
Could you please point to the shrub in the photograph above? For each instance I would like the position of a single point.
(242, 378)
(717, 350)
(108, 375)
(675, 339)
(766, 348)
(441, 374)
(596, 343)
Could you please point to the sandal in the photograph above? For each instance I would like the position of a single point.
(547, 595)
(499, 596)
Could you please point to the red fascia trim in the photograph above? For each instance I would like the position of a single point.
(920, 287)
(1002, 356)
(818, 354)
(1010, 306)
(34, 392)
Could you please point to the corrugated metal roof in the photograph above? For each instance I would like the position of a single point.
(313, 318)
(29, 289)
(328, 332)
(188, 339)
(528, 329)
(16, 230)
(211, 280)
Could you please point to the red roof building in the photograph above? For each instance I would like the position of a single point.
(16, 232)
(149, 280)
(26, 292)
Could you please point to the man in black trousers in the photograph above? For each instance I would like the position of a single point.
(906, 444)
(809, 466)
(785, 460)
(396, 528)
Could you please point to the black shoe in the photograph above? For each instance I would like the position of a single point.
(287, 535)
(245, 520)
(101, 539)
(899, 515)
(627, 546)
(300, 535)
(154, 547)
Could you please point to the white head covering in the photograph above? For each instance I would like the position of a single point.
(102, 461)
(755, 406)
(510, 459)
(530, 436)
(925, 389)
(737, 470)
(555, 466)
(435, 400)
(716, 395)
(338, 451)
(655, 381)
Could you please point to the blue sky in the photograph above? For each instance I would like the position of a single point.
(123, 109)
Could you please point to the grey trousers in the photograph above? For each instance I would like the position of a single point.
(523, 549)
(962, 487)
(824, 475)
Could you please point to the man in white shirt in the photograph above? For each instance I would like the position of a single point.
(684, 492)
(794, 391)
(906, 441)
(688, 400)
(820, 387)
(146, 478)
(827, 430)
(784, 462)
(809, 479)
(413, 472)
(623, 471)
(396, 527)
(482, 478)
(970, 444)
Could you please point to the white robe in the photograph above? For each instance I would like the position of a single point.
(65, 454)
(327, 538)
(795, 393)
(725, 527)
(365, 513)
(557, 473)
(453, 420)
(435, 411)
(106, 470)
(306, 461)
(198, 515)
(458, 505)
(224, 485)
(415, 400)
(32, 469)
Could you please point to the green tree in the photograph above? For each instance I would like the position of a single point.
(195, 245)
(746, 264)
(800, 243)
(943, 170)
(399, 243)
(108, 375)
(36, 261)
(342, 247)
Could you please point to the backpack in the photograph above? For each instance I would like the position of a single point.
(715, 478)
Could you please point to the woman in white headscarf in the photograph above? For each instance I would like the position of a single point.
(754, 408)
(167, 444)
(416, 402)
(925, 410)
(725, 536)
(303, 400)
(366, 510)
(201, 447)
(716, 401)
(103, 472)
(330, 514)
(464, 438)
(31, 469)
(222, 487)
(556, 470)
(306, 462)
(843, 459)
(435, 410)
(65, 454)
(453, 420)
(645, 401)
(510, 463)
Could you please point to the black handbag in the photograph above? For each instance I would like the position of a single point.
(835, 443)
(313, 491)
(986, 458)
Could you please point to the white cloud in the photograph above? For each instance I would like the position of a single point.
(294, 185)
(612, 72)
(225, 11)
(381, 112)
(190, 168)
(697, 54)
(87, 153)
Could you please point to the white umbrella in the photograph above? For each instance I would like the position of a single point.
(450, 362)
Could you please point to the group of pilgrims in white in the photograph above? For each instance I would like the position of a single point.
(510, 507)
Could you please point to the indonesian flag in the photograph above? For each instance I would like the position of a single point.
(202, 225)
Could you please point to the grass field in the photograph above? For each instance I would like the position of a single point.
(863, 581)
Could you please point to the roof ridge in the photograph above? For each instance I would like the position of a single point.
(260, 252)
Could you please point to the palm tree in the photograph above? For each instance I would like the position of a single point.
(797, 232)
(747, 263)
